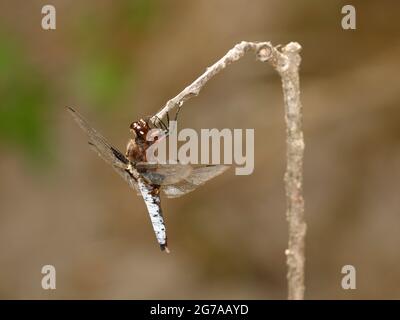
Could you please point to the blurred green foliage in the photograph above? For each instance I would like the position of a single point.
(139, 13)
(106, 43)
(24, 102)
(102, 65)
(101, 80)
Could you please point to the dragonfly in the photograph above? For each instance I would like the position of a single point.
(149, 179)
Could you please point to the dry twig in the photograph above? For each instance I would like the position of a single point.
(286, 62)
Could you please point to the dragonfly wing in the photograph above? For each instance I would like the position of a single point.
(178, 190)
(151, 197)
(105, 150)
(199, 175)
(163, 174)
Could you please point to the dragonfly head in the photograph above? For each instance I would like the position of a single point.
(140, 129)
(142, 132)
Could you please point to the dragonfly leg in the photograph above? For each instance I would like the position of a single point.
(162, 124)
(177, 111)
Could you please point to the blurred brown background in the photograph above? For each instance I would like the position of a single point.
(116, 61)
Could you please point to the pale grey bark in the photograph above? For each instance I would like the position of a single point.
(286, 61)
(287, 64)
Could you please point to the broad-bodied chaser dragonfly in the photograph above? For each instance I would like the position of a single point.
(146, 178)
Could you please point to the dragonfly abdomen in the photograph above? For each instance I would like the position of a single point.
(151, 197)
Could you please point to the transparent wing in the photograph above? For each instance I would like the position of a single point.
(175, 179)
(199, 175)
(163, 174)
(105, 150)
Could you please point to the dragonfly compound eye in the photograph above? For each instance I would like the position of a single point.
(140, 128)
